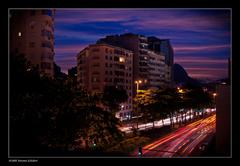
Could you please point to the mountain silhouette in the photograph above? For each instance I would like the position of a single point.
(181, 77)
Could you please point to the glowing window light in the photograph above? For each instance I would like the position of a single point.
(121, 59)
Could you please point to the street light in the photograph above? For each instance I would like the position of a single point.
(214, 98)
(138, 82)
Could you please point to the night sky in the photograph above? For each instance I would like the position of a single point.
(201, 38)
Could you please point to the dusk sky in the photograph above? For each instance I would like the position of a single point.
(201, 39)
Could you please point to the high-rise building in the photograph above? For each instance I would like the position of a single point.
(101, 65)
(143, 56)
(156, 69)
(164, 47)
(223, 125)
(32, 35)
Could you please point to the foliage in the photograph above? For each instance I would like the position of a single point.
(113, 96)
(129, 145)
(158, 104)
(49, 113)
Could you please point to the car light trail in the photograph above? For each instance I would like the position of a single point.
(182, 141)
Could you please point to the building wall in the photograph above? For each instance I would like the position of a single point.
(157, 69)
(223, 126)
(141, 47)
(101, 65)
(32, 35)
(164, 47)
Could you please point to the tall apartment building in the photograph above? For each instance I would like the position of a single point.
(32, 35)
(101, 65)
(157, 70)
(143, 66)
(164, 47)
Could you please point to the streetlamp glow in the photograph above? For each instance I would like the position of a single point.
(138, 82)
(180, 91)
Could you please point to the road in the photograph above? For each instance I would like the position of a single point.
(159, 124)
(181, 142)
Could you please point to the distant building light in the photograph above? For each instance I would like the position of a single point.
(19, 34)
(180, 91)
(121, 59)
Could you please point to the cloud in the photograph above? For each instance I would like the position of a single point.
(148, 18)
(90, 15)
(199, 60)
(212, 76)
(207, 74)
(66, 62)
(203, 35)
(69, 49)
(203, 67)
(206, 48)
(71, 34)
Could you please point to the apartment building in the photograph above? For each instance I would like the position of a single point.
(163, 46)
(147, 52)
(157, 70)
(32, 35)
(101, 65)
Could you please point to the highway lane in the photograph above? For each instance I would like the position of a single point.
(127, 128)
(182, 141)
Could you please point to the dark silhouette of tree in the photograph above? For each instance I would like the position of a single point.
(49, 115)
(112, 97)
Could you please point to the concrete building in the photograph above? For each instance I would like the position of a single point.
(101, 65)
(164, 47)
(32, 35)
(223, 116)
(156, 69)
(143, 66)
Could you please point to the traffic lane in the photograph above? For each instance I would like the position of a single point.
(196, 138)
(179, 139)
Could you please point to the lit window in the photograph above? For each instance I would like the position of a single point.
(121, 59)
(19, 34)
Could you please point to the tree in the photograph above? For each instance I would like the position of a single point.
(47, 114)
(112, 97)
(195, 98)
(151, 105)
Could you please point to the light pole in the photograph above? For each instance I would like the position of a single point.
(214, 99)
(138, 82)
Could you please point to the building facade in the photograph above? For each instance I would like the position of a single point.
(148, 55)
(223, 116)
(101, 65)
(157, 70)
(164, 47)
(32, 35)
